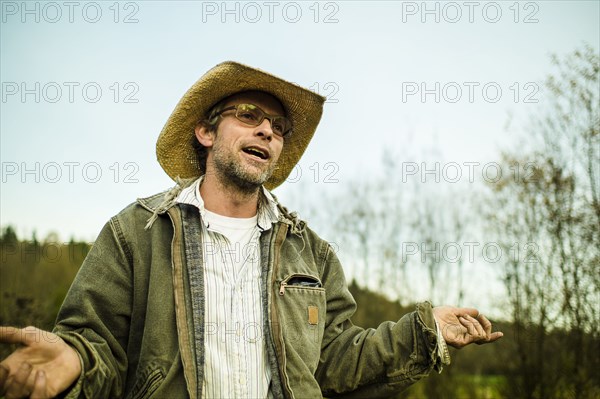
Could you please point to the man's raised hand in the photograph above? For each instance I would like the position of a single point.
(42, 367)
(462, 326)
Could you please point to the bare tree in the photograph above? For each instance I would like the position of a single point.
(546, 215)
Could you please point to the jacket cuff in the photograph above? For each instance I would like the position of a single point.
(442, 346)
(88, 384)
(432, 335)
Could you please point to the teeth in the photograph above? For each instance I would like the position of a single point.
(256, 152)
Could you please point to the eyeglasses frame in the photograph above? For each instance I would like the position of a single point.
(266, 116)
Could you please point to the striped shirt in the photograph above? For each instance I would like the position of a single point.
(235, 353)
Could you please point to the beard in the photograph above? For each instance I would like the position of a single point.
(233, 172)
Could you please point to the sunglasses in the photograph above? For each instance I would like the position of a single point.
(252, 115)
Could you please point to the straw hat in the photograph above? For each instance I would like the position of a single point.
(303, 107)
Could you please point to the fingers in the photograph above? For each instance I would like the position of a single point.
(4, 371)
(487, 326)
(485, 323)
(3, 377)
(39, 389)
(462, 326)
(495, 336)
(10, 335)
(467, 312)
(479, 330)
(19, 385)
(23, 336)
(475, 329)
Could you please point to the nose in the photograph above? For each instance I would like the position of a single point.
(265, 130)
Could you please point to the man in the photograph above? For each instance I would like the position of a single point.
(213, 289)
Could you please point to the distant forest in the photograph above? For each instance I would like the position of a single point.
(35, 276)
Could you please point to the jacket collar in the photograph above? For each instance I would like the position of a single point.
(267, 214)
(160, 203)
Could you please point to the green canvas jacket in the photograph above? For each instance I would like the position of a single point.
(135, 314)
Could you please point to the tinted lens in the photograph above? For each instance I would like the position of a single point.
(249, 114)
(252, 115)
(280, 125)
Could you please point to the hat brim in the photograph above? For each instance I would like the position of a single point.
(303, 107)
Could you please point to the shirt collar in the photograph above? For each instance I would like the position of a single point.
(267, 206)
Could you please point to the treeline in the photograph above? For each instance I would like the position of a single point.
(35, 276)
(486, 371)
(554, 207)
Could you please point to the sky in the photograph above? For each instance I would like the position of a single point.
(88, 86)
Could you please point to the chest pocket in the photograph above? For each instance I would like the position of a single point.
(302, 304)
(300, 281)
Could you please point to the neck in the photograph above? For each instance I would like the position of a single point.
(228, 200)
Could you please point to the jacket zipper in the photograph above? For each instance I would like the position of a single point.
(278, 333)
(282, 288)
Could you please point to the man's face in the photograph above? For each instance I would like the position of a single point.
(233, 156)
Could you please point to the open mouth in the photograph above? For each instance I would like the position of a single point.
(257, 152)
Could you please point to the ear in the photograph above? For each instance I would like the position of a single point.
(205, 137)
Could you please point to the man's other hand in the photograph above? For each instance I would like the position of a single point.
(462, 326)
(42, 367)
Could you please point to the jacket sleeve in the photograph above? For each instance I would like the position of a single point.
(95, 316)
(357, 362)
